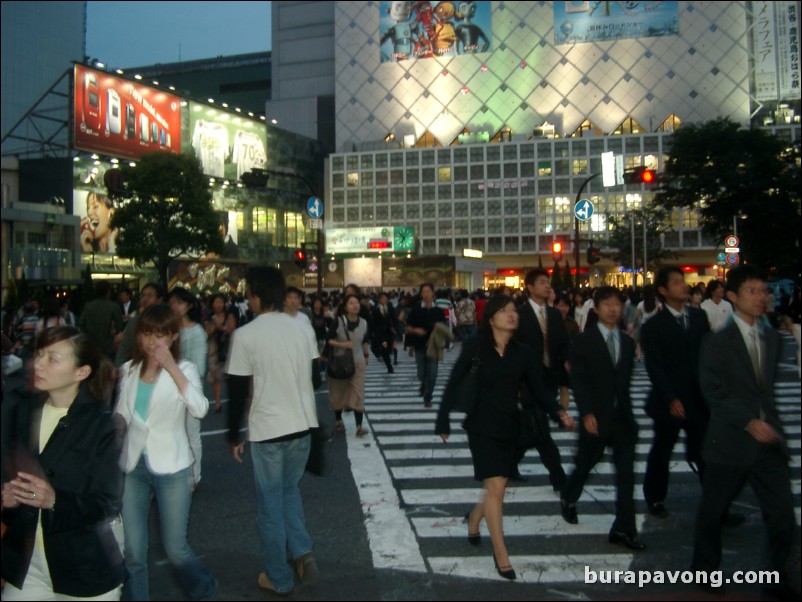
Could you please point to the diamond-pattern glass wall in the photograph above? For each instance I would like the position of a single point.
(527, 80)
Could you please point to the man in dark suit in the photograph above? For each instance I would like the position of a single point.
(542, 328)
(670, 342)
(601, 371)
(383, 318)
(745, 441)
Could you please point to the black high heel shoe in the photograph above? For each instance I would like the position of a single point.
(507, 572)
(475, 539)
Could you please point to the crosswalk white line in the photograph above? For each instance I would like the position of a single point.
(520, 526)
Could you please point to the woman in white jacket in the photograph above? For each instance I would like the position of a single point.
(157, 390)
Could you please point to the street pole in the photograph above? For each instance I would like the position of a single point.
(632, 227)
(576, 225)
(645, 263)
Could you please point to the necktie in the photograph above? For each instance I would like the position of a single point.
(541, 317)
(611, 346)
(754, 355)
(681, 321)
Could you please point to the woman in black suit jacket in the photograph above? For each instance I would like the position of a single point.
(494, 423)
(63, 502)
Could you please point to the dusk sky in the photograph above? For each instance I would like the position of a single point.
(134, 34)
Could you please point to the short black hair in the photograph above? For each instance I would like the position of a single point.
(534, 274)
(157, 289)
(268, 284)
(712, 286)
(296, 290)
(603, 293)
(426, 284)
(664, 274)
(737, 276)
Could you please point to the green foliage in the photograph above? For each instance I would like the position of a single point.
(166, 211)
(654, 219)
(568, 278)
(556, 278)
(729, 171)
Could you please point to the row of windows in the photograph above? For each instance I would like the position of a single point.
(444, 225)
(535, 244)
(481, 172)
(481, 153)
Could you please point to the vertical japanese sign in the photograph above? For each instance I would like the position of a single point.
(775, 46)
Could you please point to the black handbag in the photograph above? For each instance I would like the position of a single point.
(467, 389)
(341, 361)
(534, 428)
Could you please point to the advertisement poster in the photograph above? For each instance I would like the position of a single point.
(91, 202)
(422, 30)
(577, 22)
(775, 40)
(398, 239)
(117, 117)
(227, 144)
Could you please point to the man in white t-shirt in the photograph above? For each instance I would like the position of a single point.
(718, 311)
(274, 352)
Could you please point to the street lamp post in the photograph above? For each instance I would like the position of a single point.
(632, 228)
(576, 225)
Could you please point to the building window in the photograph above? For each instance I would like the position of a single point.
(413, 176)
(580, 166)
(353, 178)
(444, 174)
(628, 126)
(543, 168)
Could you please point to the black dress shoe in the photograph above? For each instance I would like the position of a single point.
(475, 539)
(630, 541)
(568, 512)
(732, 519)
(658, 510)
(507, 572)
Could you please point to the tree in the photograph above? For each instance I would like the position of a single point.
(728, 171)
(556, 278)
(568, 279)
(165, 211)
(623, 228)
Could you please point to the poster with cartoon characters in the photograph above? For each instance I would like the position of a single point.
(422, 29)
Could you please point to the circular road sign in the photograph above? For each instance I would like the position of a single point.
(583, 210)
(731, 241)
(732, 259)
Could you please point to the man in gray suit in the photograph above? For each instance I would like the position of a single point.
(744, 441)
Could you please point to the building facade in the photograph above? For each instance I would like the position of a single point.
(478, 123)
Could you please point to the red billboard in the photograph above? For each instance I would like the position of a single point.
(118, 117)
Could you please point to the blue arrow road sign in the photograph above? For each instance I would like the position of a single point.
(315, 207)
(583, 210)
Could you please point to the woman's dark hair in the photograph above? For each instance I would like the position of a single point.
(649, 298)
(563, 298)
(182, 294)
(100, 382)
(494, 305)
(345, 301)
(156, 319)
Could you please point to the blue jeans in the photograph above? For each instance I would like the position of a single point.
(173, 495)
(277, 469)
(427, 372)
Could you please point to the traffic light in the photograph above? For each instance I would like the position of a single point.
(593, 255)
(640, 175)
(557, 251)
(300, 258)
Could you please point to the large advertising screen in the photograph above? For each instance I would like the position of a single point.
(584, 21)
(227, 144)
(381, 239)
(118, 117)
(422, 30)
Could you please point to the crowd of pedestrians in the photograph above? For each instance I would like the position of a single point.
(87, 446)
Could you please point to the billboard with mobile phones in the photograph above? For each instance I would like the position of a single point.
(118, 117)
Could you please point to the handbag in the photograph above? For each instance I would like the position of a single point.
(467, 389)
(534, 428)
(341, 361)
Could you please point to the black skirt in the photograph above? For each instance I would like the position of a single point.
(492, 457)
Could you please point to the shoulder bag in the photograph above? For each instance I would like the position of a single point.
(341, 361)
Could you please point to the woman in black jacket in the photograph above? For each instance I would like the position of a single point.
(63, 499)
(494, 423)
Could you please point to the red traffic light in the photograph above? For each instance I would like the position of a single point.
(300, 255)
(557, 251)
(647, 176)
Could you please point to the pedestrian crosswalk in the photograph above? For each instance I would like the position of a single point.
(415, 489)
